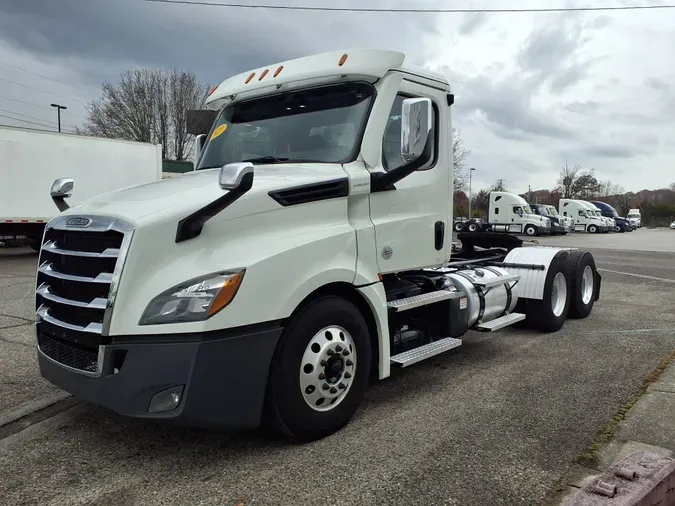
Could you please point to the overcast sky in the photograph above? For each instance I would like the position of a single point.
(533, 90)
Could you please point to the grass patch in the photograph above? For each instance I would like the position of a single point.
(590, 457)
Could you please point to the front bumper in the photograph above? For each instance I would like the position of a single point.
(224, 376)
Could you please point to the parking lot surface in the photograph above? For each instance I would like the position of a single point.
(497, 421)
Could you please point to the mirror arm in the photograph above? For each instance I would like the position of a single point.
(61, 204)
(384, 181)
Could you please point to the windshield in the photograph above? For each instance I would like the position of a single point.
(527, 210)
(633, 215)
(544, 211)
(321, 125)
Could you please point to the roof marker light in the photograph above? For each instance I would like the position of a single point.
(251, 76)
(342, 60)
(278, 71)
(213, 89)
(263, 74)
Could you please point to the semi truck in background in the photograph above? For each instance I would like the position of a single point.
(583, 220)
(511, 213)
(566, 221)
(559, 226)
(30, 161)
(635, 218)
(620, 224)
(307, 253)
(594, 211)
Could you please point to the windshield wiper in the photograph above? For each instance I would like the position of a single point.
(266, 159)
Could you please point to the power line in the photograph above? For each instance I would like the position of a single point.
(411, 10)
(39, 106)
(34, 117)
(27, 121)
(47, 77)
(43, 91)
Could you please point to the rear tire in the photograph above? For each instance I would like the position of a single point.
(459, 226)
(473, 227)
(292, 374)
(582, 283)
(550, 313)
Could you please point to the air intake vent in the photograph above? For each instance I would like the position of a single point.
(312, 192)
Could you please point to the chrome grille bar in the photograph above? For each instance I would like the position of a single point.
(97, 303)
(108, 253)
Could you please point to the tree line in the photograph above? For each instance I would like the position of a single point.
(657, 207)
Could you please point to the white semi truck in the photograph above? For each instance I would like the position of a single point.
(635, 218)
(566, 221)
(32, 159)
(509, 212)
(579, 212)
(593, 210)
(309, 251)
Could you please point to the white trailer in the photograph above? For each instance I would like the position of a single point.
(309, 251)
(584, 221)
(509, 212)
(31, 160)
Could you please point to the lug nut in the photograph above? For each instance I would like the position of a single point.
(329, 352)
(325, 386)
(323, 363)
(338, 348)
(348, 375)
(342, 386)
(322, 376)
(349, 363)
(333, 390)
(345, 353)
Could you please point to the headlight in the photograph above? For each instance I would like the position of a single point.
(194, 300)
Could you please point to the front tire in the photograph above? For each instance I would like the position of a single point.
(531, 230)
(549, 314)
(592, 229)
(320, 370)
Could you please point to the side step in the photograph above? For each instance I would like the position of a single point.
(415, 355)
(420, 300)
(501, 322)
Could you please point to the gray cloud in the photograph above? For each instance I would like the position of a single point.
(612, 151)
(472, 22)
(587, 107)
(657, 84)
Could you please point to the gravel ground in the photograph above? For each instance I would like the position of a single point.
(496, 421)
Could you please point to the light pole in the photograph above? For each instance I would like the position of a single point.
(58, 113)
(470, 171)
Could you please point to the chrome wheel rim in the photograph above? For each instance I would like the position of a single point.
(327, 368)
(587, 285)
(529, 230)
(559, 294)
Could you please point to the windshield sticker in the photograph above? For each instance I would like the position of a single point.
(218, 131)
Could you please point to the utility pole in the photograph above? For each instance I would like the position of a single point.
(470, 172)
(58, 113)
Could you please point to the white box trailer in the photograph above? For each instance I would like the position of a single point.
(30, 161)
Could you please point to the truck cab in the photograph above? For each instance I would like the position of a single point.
(309, 251)
(558, 226)
(583, 220)
(595, 211)
(511, 213)
(566, 221)
(635, 218)
(620, 224)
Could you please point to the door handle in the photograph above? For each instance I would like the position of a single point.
(439, 234)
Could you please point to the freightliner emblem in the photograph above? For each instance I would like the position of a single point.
(78, 222)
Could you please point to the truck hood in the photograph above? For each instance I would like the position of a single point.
(193, 190)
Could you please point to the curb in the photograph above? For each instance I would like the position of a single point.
(33, 406)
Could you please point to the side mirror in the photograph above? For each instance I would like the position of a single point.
(200, 140)
(62, 189)
(416, 124)
(417, 121)
(236, 176)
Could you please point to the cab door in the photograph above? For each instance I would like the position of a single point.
(412, 221)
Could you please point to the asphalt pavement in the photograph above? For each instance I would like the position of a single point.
(497, 421)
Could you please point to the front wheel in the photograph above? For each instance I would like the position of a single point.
(320, 370)
(592, 229)
(618, 229)
(530, 230)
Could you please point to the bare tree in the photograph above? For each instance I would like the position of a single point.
(459, 156)
(567, 179)
(147, 105)
(498, 186)
(607, 189)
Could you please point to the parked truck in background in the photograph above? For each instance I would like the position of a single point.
(621, 224)
(558, 225)
(635, 218)
(509, 212)
(310, 250)
(579, 212)
(33, 159)
(566, 221)
(594, 211)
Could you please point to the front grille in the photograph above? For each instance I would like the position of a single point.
(74, 282)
